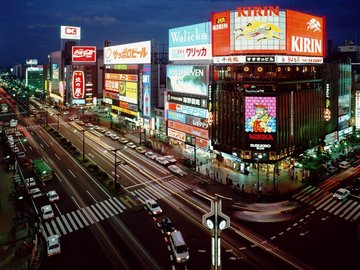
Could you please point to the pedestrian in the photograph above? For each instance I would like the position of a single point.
(242, 187)
(218, 164)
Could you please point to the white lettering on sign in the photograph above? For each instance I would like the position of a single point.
(259, 146)
(301, 44)
(176, 134)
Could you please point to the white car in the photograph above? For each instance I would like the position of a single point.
(162, 161)
(30, 182)
(35, 193)
(131, 145)
(153, 207)
(341, 194)
(344, 165)
(108, 134)
(89, 125)
(53, 245)
(53, 196)
(171, 159)
(47, 212)
(151, 155)
(114, 137)
(175, 169)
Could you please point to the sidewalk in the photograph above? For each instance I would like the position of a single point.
(235, 183)
(13, 254)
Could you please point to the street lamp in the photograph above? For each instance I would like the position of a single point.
(258, 172)
(115, 163)
(83, 131)
(58, 120)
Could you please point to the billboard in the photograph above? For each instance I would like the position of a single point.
(146, 85)
(175, 116)
(202, 113)
(31, 61)
(191, 42)
(78, 84)
(195, 131)
(267, 29)
(132, 53)
(260, 114)
(176, 134)
(84, 54)
(186, 100)
(187, 79)
(70, 32)
(124, 85)
(357, 110)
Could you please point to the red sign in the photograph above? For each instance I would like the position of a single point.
(84, 54)
(261, 136)
(176, 134)
(78, 84)
(221, 33)
(198, 132)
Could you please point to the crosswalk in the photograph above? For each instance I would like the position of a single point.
(86, 216)
(348, 209)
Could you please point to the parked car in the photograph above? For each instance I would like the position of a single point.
(108, 133)
(151, 155)
(344, 164)
(20, 155)
(162, 161)
(53, 196)
(171, 159)
(89, 125)
(131, 145)
(341, 194)
(153, 207)
(114, 137)
(47, 212)
(30, 182)
(35, 193)
(167, 226)
(140, 149)
(24, 161)
(53, 245)
(123, 140)
(175, 169)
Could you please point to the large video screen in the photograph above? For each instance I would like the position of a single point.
(260, 114)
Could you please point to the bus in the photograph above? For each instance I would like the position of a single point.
(42, 169)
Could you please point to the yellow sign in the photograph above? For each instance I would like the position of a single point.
(131, 90)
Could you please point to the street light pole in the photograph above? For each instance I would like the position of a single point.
(115, 163)
(258, 172)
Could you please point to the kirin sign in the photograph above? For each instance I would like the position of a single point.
(78, 84)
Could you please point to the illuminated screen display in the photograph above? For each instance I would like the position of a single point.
(260, 114)
(187, 79)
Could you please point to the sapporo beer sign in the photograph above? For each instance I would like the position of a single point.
(78, 84)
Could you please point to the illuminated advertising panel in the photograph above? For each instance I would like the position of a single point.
(305, 34)
(132, 53)
(146, 82)
(202, 113)
(124, 85)
(259, 29)
(191, 42)
(192, 101)
(221, 33)
(78, 84)
(84, 54)
(175, 116)
(181, 136)
(260, 114)
(198, 132)
(70, 32)
(31, 61)
(187, 79)
(357, 109)
(55, 71)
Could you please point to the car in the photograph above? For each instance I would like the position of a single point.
(162, 161)
(47, 212)
(71, 118)
(80, 122)
(53, 245)
(167, 226)
(341, 193)
(114, 137)
(171, 159)
(123, 140)
(35, 192)
(344, 165)
(140, 149)
(15, 149)
(30, 182)
(131, 145)
(24, 161)
(97, 128)
(18, 133)
(89, 125)
(153, 207)
(108, 134)
(53, 196)
(20, 155)
(175, 169)
(66, 112)
(331, 169)
(151, 155)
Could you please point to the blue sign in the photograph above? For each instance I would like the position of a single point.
(196, 34)
(175, 116)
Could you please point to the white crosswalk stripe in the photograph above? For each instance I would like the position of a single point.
(84, 217)
(347, 209)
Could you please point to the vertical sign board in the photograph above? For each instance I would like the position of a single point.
(78, 84)
(221, 33)
(357, 109)
(146, 82)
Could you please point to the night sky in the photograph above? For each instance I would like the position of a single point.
(31, 29)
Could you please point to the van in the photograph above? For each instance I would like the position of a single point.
(179, 247)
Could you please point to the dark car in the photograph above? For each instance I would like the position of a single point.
(24, 161)
(167, 226)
